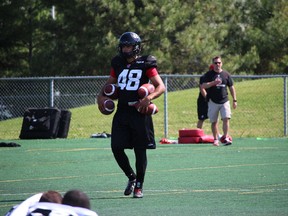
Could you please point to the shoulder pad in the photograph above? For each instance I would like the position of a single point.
(151, 61)
(116, 61)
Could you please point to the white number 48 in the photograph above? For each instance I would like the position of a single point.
(129, 79)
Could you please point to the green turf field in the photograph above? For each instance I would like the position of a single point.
(248, 178)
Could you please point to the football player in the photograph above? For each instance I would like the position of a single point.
(131, 127)
(23, 207)
(74, 203)
(202, 104)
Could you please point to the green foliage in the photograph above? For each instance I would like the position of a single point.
(184, 35)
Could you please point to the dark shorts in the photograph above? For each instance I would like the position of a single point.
(202, 108)
(131, 129)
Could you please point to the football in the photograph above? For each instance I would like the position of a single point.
(222, 139)
(145, 90)
(152, 109)
(111, 91)
(109, 107)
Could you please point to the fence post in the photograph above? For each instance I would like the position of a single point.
(166, 108)
(285, 106)
(51, 99)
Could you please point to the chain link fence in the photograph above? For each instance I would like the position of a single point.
(261, 111)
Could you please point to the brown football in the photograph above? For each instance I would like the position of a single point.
(222, 139)
(152, 109)
(109, 107)
(111, 91)
(145, 90)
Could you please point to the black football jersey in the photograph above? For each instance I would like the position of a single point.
(130, 76)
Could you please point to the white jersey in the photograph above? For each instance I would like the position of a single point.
(32, 207)
(22, 208)
(55, 209)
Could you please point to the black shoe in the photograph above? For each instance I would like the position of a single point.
(130, 187)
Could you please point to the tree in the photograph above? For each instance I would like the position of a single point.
(184, 35)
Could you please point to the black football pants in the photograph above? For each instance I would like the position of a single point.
(124, 164)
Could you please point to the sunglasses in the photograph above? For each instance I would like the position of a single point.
(217, 62)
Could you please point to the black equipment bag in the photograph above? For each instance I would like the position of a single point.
(40, 123)
(64, 124)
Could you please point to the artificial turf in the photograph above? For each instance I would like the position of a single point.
(249, 177)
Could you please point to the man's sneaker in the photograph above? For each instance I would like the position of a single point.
(216, 143)
(227, 141)
(130, 187)
(219, 136)
(138, 193)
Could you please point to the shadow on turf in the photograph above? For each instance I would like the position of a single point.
(99, 198)
(111, 198)
(8, 201)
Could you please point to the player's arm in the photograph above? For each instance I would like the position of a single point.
(23, 207)
(159, 87)
(203, 91)
(101, 97)
(207, 85)
(159, 90)
(155, 79)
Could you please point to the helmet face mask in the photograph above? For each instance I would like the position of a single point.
(129, 39)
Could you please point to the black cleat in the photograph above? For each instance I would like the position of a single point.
(130, 187)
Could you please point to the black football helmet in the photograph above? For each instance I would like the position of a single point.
(129, 38)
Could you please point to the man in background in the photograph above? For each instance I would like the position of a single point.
(202, 103)
(216, 83)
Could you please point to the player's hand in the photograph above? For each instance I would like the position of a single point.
(217, 81)
(234, 104)
(143, 105)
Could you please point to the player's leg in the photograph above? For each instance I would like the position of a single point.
(214, 128)
(141, 164)
(120, 139)
(143, 140)
(213, 111)
(200, 123)
(123, 162)
(225, 126)
(225, 112)
(202, 111)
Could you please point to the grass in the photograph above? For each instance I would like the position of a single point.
(246, 178)
(259, 113)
